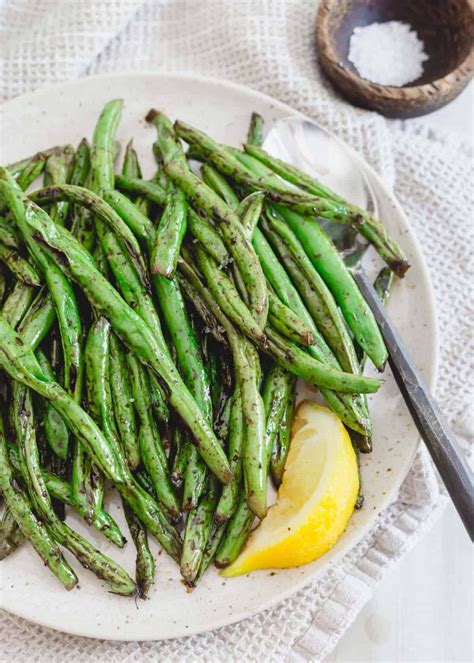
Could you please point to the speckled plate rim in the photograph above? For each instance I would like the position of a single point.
(356, 535)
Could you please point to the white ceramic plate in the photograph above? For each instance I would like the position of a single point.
(67, 113)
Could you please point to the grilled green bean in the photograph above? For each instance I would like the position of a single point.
(102, 160)
(103, 212)
(327, 261)
(282, 318)
(169, 234)
(20, 267)
(229, 299)
(11, 536)
(192, 370)
(57, 171)
(197, 532)
(21, 510)
(144, 564)
(31, 171)
(202, 230)
(138, 223)
(236, 535)
(153, 191)
(230, 493)
(17, 303)
(282, 446)
(255, 132)
(151, 447)
(8, 235)
(38, 319)
(55, 430)
(201, 196)
(360, 219)
(122, 402)
(219, 184)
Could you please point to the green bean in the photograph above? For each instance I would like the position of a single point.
(145, 564)
(219, 184)
(130, 166)
(212, 325)
(130, 285)
(181, 457)
(230, 493)
(57, 171)
(278, 389)
(282, 318)
(20, 363)
(250, 173)
(197, 532)
(16, 167)
(313, 290)
(295, 360)
(253, 448)
(255, 132)
(102, 162)
(153, 191)
(247, 368)
(201, 196)
(20, 267)
(38, 319)
(249, 212)
(213, 543)
(102, 521)
(20, 508)
(286, 353)
(138, 223)
(122, 402)
(157, 397)
(256, 175)
(282, 447)
(151, 447)
(87, 483)
(80, 220)
(65, 303)
(236, 535)
(105, 568)
(125, 320)
(8, 235)
(320, 303)
(17, 303)
(228, 298)
(193, 372)
(82, 163)
(327, 261)
(103, 212)
(55, 430)
(169, 234)
(202, 230)
(31, 171)
(360, 219)
(11, 536)
(342, 404)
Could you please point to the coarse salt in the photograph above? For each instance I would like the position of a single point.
(387, 53)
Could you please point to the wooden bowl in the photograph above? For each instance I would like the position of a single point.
(445, 26)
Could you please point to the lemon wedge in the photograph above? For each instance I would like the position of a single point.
(316, 498)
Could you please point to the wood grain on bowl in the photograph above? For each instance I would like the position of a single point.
(446, 28)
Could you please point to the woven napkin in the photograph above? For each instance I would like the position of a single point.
(268, 45)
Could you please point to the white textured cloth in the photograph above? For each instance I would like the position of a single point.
(268, 45)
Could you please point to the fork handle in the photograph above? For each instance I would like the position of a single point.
(431, 425)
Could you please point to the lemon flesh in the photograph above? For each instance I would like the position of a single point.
(316, 498)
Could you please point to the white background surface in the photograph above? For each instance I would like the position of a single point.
(423, 611)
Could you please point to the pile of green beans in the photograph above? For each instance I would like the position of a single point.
(151, 335)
